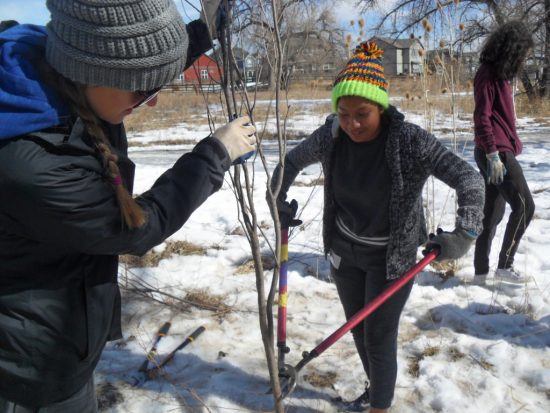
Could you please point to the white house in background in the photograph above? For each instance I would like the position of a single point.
(401, 56)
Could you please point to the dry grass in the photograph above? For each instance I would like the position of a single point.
(152, 258)
(539, 108)
(445, 269)
(172, 108)
(322, 380)
(175, 107)
(414, 362)
(455, 354)
(203, 299)
(268, 263)
(485, 364)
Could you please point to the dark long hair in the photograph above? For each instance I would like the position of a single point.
(506, 49)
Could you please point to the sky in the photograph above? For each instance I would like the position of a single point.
(462, 347)
(35, 11)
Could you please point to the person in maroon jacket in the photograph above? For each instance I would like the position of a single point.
(496, 146)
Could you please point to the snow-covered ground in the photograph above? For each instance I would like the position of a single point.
(461, 347)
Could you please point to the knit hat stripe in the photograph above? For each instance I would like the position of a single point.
(123, 44)
(377, 78)
(364, 69)
(109, 12)
(363, 76)
(131, 28)
(137, 55)
(134, 53)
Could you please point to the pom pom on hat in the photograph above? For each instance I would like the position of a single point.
(362, 76)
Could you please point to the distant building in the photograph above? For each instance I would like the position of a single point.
(401, 56)
(248, 65)
(313, 56)
(204, 70)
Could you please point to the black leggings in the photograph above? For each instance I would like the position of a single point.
(359, 278)
(515, 192)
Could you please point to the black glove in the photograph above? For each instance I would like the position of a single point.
(287, 212)
(452, 245)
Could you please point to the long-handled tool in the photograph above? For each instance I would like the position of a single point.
(185, 342)
(283, 349)
(289, 382)
(288, 219)
(153, 352)
(145, 372)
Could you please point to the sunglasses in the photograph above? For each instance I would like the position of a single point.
(147, 96)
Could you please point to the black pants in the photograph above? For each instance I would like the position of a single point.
(84, 401)
(359, 278)
(515, 192)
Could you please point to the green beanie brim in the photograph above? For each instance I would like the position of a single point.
(361, 89)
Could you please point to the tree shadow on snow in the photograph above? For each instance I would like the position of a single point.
(310, 264)
(197, 386)
(489, 321)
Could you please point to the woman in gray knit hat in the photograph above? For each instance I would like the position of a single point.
(66, 183)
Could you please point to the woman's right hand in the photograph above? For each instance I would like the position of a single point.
(238, 137)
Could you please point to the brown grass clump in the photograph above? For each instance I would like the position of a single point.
(414, 362)
(203, 299)
(485, 364)
(455, 354)
(322, 380)
(152, 258)
(268, 263)
(445, 269)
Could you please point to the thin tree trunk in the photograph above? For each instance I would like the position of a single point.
(545, 79)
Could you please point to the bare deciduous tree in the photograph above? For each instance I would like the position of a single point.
(266, 17)
(479, 17)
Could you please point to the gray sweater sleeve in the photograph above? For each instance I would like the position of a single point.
(458, 174)
(313, 149)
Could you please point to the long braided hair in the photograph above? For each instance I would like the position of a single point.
(506, 49)
(73, 93)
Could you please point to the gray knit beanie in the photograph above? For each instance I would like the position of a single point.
(123, 44)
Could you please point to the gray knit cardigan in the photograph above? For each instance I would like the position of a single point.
(412, 155)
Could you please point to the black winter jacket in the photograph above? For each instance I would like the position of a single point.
(61, 232)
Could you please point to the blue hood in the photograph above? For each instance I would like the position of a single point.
(26, 104)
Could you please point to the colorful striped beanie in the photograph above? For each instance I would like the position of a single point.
(362, 76)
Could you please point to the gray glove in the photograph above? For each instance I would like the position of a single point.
(452, 245)
(238, 137)
(495, 169)
(212, 14)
